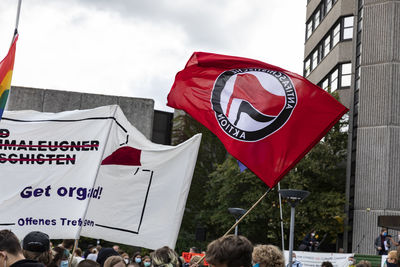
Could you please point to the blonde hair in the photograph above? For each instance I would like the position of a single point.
(268, 255)
(165, 257)
(111, 261)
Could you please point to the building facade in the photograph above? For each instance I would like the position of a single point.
(352, 48)
(155, 125)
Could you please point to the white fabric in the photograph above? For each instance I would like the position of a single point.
(135, 205)
(314, 259)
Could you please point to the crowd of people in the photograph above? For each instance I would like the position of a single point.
(36, 250)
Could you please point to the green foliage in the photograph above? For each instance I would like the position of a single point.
(218, 184)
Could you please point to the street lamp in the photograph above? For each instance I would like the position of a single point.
(237, 213)
(293, 197)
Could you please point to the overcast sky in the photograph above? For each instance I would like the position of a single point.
(134, 48)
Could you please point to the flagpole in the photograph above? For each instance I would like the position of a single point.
(241, 218)
(244, 215)
(281, 215)
(73, 252)
(17, 20)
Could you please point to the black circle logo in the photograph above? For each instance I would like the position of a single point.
(252, 103)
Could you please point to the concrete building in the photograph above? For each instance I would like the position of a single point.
(352, 47)
(155, 125)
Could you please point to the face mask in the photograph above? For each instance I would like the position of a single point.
(138, 260)
(256, 265)
(384, 234)
(312, 234)
(294, 259)
(64, 263)
(147, 264)
(126, 261)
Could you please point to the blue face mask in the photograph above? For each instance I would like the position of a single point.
(384, 234)
(138, 260)
(147, 264)
(64, 263)
(256, 265)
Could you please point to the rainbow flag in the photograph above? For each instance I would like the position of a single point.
(6, 70)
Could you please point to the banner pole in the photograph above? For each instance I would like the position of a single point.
(97, 174)
(281, 215)
(73, 252)
(17, 20)
(241, 218)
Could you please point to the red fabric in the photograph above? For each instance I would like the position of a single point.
(124, 156)
(292, 123)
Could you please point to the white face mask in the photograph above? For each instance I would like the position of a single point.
(126, 261)
(294, 259)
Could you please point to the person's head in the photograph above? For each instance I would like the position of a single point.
(392, 256)
(78, 252)
(125, 256)
(10, 248)
(164, 257)
(104, 254)
(194, 261)
(384, 232)
(68, 243)
(231, 251)
(364, 263)
(36, 246)
(60, 257)
(351, 261)
(268, 256)
(116, 248)
(114, 261)
(312, 232)
(88, 263)
(293, 256)
(146, 261)
(137, 257)
(194, 250)
(326, 264)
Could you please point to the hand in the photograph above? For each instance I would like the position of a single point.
(379, 248)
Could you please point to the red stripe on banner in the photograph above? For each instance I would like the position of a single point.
(124, 156)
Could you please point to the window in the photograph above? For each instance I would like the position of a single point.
(334, 80)
(345, 75)
(328, 5)
(316, 19)
(325, 84)
(314, 60)
(336, 35)
(348, 27)
(307, 68)
(327, 45)
(309, 29)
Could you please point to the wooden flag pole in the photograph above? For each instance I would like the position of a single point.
(244, 215)
(73, 252)
(241, 218)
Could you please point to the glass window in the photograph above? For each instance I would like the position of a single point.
(316, 19)
(348, 27)
(314, 59)
(327, 45)
(325, 84)
(346, 75)
(334, 81)
(336, 35)
(307, 68)
(328, 5)
(309, 29)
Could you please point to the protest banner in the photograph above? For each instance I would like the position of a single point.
(91, 173)
(314, 259)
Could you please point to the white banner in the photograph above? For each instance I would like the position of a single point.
(314, 259)
(91, 173)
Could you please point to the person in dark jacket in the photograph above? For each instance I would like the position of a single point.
(382, 243)
(11, 252)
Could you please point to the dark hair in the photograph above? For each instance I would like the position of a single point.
(234, 251)
(78, 252)
(42, 257)
(68, 243)
(88, 263)
(326, 264)
(60, 253)
(9, 242)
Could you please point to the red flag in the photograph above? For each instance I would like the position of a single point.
(266, 117)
